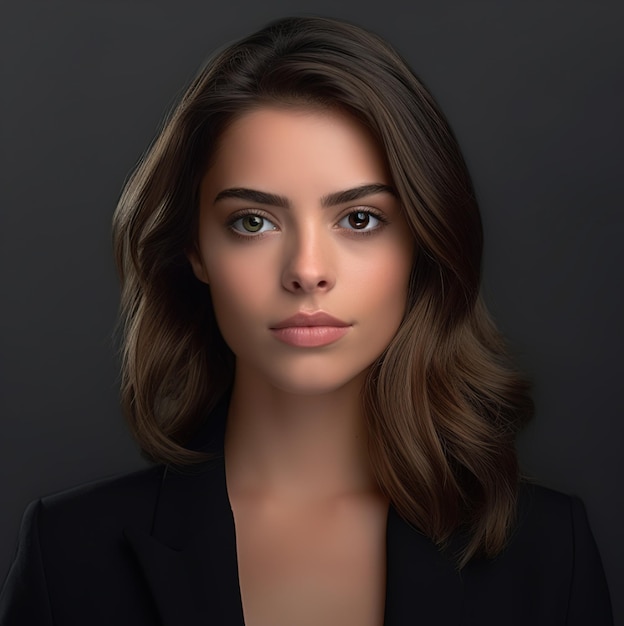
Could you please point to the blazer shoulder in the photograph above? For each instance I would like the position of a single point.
(548, 520)
(550, 571)
(554, 533)
(71, 555)
(549, 513)
(536, 499)
(104, 502)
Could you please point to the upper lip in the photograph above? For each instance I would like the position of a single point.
(319, 318)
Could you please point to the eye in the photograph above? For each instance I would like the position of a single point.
(361, 220)
(251, 224)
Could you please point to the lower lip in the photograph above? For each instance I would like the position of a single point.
(310, 336)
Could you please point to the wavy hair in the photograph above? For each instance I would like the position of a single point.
(443, 403)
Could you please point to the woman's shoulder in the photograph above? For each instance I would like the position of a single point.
(549, 516)
(532, 493)
(550, 567)
(549, 524)
(71, 550)
(101, 503)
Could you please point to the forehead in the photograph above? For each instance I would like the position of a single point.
(294, 147)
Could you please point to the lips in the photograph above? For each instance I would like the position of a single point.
(310, 330)
(320, 318)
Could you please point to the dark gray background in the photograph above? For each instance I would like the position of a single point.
(535, 93)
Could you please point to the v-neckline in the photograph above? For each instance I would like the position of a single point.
(228, 503)
(189, 558)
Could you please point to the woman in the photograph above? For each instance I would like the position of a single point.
(309, 364)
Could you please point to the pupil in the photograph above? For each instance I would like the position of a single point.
(359, 219)
(252, 223)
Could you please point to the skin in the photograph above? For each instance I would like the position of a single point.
(296, 445)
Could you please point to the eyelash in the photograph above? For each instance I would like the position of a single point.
(241, 215)
(352, 231)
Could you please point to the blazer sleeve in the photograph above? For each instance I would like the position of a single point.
(589, 593)
(24, 597)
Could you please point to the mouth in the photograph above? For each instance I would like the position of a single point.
(320, 318)
(310, 330)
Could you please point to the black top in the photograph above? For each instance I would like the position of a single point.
(158, 547)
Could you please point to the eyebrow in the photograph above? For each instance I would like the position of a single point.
(332, 199)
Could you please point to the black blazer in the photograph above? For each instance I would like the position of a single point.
(158, 547)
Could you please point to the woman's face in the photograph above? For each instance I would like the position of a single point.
(298, 222)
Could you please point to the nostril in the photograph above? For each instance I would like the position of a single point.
(307, 280)
(321, 284)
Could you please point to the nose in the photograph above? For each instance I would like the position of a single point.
(308, 265)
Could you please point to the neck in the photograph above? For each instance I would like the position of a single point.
(297, 447)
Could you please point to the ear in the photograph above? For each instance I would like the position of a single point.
(197, 264)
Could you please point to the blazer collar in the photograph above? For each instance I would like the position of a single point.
(189, 558)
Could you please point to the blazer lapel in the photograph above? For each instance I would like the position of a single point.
(422, 585)
(189, 558)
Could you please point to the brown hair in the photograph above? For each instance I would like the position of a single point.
(442, 403)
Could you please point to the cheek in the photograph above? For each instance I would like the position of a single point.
(230, 292)
(239, 292)
(384, 283)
